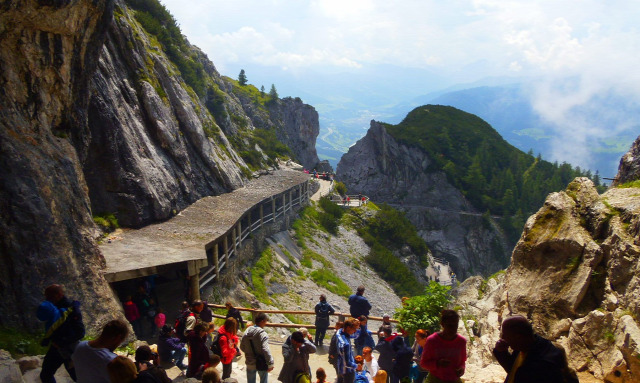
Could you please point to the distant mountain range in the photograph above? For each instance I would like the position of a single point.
(599, 132)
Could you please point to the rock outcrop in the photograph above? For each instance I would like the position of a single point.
(155, 146)
(388, 171)
(48, 52)
(629, 169)
(575, 273)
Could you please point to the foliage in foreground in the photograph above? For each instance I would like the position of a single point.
(423, 311)
(20, 343)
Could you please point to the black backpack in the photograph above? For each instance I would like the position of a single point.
(215, 344)
(333, 349)
(323, 311)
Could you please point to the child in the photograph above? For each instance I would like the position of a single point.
(160, 319)
(321, 376)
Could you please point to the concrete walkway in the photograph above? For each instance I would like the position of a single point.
(184, 237)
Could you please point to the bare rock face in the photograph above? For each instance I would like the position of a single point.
(47, 53)
(153, 146)
(629, 169)
(575, 273)
(388, 171)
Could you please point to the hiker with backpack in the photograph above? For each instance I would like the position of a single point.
(333, 347)
(323, 311)
(255, 345)
(387, 345)
(295, 352)
(64, 329)
(226, 343)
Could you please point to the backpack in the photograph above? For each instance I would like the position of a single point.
(333, 349)
(323, 311)
(215, 344)
(206, 315)
(181, 324)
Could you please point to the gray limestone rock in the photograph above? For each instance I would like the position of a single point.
(387, 171)
(629, 169)
(9, 369)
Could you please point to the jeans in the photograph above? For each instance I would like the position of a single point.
(52, 361)
(251, 375)
(226, 371)
(179, 355)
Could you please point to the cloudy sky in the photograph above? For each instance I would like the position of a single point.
(593, 41)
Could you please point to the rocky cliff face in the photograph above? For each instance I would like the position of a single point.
(629, 169)
(47, 52)
(388, 171)
(155, 146)
(576, 274)
(95, 119)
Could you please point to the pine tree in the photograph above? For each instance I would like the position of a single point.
(273, 93)
(242, 78)
(262, 91)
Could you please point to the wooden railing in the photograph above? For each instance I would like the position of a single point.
(254, 312)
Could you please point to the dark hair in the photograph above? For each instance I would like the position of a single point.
(261, 317)
(520, 325)
(320, 374)
(196, 303)
(360, 290)
(324, 299)
(362, 317)
(200, 327)
(143, 354)
(185, 305)
(298, 337)
(386, 329)
(448, 314)
(166, 329)
(115, 329)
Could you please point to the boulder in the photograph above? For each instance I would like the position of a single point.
(29, 363)
(9, 369)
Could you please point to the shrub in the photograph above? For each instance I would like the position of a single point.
(423, 311)
(340, 188)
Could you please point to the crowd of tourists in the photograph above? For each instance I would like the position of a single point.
(431, 358)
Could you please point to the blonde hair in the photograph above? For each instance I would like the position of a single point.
(381, 377)
(122, 370)
(210, 375)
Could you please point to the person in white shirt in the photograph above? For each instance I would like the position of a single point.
(90, 358)
(370, 363)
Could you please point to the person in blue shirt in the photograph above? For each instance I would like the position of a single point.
(64, 328)
(345, 361)
(358, 304)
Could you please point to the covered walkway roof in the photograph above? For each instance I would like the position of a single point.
(138, 252)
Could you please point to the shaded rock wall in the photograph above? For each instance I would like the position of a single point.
(388, 171)
(47, 53)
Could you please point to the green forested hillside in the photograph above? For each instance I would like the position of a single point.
(495, 176)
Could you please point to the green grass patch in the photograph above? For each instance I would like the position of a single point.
(483, 286)
(21, 343)
(328, 279)
(107, 222)
(259, 275)
(631, 184)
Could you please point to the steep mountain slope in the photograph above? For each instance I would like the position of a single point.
(103, 112)
(388, 171)
(451, 171)
(156, 144)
